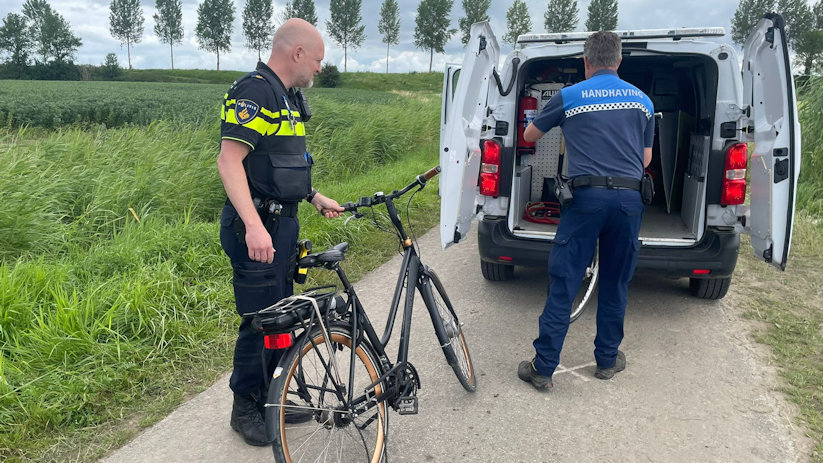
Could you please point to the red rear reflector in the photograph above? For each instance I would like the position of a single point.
(507, 258)
(278, 341)
(701, 271)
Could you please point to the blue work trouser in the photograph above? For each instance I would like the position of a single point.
(257, 285)
(613, 216)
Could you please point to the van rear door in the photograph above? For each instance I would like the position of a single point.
(769, 94)
(460, 139)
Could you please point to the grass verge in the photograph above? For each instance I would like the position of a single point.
(785, 309)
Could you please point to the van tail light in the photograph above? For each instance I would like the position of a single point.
(734, 175)
(278, 341)
(490, 168)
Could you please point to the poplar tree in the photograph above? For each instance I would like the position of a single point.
(257, 25)
(126, 22)
(518, 22)
(214, 24)
(431, 30)
(798, 18)
(389, 26)
(561, 16)
(748, 14)
(809, 48)
(344, 26)
(168, 23)
(476, 11)
(602, 15)
(36, 11)
(303, 9)
(15, 41)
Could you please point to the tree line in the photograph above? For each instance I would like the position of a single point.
(41, 34)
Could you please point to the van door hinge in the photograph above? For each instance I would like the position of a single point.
(456, 236)
(482, 44)
(767, 254)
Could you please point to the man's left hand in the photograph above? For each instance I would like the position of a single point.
(326, 206)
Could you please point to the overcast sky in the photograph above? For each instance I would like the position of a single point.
(89, 20)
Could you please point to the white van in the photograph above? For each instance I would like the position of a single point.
(706, 112)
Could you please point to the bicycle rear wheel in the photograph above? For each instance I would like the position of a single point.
(448, 329)
(305, 415)
(586, 291)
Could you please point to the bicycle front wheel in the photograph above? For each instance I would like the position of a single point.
(448, 329)
(308, 415)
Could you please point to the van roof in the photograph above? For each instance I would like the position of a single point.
(644, 34)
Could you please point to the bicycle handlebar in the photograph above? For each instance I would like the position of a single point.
(379, 197)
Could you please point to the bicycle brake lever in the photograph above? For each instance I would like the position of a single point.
(353, 216)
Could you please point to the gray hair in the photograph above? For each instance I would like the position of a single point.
(603, 49)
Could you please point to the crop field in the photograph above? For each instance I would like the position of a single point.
(115, 297)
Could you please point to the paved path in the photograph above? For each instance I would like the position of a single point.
(695, 389)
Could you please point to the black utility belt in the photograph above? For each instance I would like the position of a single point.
(272, 207)
(614, 183)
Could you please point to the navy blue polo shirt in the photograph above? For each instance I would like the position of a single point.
(606, 123)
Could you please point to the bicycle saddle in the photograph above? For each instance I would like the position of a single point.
(335, 254)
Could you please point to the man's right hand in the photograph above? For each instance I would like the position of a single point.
(259, 243)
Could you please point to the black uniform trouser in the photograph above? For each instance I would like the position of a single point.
(257, 285)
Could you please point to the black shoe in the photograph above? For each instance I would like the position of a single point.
(528, 373)
(608, 373)
(246, 420)
(296, 415)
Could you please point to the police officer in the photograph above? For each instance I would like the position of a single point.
(266, 172)
(608, 126)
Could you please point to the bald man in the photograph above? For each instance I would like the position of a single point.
(266, 172)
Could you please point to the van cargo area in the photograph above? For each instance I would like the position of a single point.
(683, 89)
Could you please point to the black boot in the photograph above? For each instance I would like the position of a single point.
(246, 420)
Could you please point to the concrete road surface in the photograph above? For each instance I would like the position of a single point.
(695, 388)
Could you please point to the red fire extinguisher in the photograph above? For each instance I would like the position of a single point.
(527, 113)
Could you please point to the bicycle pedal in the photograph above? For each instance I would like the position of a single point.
(407, 405)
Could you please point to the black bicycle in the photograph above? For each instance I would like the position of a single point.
(329, 395)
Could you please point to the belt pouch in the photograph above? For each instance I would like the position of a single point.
(647, 189)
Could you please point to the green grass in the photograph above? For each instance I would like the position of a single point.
(115, 297)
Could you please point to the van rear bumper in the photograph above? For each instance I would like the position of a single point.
(717, 252)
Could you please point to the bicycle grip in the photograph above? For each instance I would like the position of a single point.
(349, 207)
(431, 173)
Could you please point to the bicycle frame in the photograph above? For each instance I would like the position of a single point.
(410, 270)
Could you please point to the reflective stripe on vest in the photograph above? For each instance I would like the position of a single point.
(267, 122)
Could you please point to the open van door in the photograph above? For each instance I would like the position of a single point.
(450, 77)
(769, 95)
(460, 138)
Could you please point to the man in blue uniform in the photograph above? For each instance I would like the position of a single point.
(266, 172)
(608, 126)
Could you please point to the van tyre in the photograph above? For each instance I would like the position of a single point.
(496, 272)
(709, 288)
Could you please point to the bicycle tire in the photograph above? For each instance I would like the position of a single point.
(327, 432)
(586, 291)
(448, 329)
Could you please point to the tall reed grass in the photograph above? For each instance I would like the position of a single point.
(810, 191)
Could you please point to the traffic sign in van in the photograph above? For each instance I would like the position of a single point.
(726, 153)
